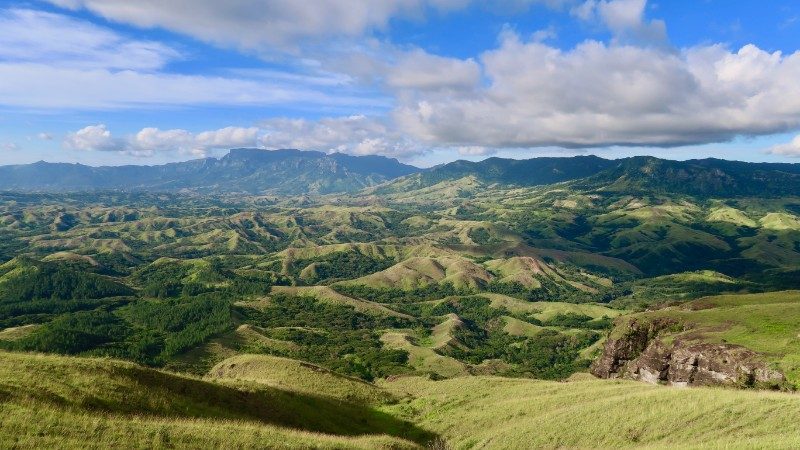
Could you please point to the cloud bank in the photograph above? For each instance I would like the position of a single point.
(150, 141)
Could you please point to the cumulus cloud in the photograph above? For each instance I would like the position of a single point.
(598, 95)
(625, 19)
(788, 149)
(421, 70)
(358, 135)
(44, 136)
(150, 141)
(93, 137)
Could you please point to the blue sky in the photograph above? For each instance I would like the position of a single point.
(426, 81)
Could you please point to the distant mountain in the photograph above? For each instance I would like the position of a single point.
(526, 172)
(253, 171)
(640, 174)
(294, 172)
(701, 177)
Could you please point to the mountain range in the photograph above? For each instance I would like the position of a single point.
(296, 172)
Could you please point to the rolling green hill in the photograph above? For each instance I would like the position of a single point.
(121, 404)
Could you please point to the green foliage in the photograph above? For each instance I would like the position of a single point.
(548, 355)
(41, 280)
(340, 266)
(397, 295)
(574, 320)
(175, 325)
(76, 333)
(335, 336)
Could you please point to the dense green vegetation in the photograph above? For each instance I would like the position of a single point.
(332, 335)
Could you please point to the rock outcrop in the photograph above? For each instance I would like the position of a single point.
(640, 351)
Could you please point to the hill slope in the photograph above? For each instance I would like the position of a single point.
(121, 403)
(501, 413)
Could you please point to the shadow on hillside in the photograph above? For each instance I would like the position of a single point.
(163, 394)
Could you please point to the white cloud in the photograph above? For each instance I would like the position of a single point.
(625, 19)
(41, 37)
(93, 137)
(788, 149)
(50, 60)
(421, 70)
(43, 86)
(9, 146)
(600, 95)
(358, 135)
(259, 23)
(150, 141)
(281, 24)
(45, 136)
(475, 150)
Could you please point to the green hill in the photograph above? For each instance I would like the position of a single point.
(120, 403)
(300, 377)
(501, 413)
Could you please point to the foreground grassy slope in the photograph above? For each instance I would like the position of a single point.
(95, 403)
(490, 412)
(121, 403)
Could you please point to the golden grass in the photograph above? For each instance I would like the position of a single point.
(301, 377)
(423, 359)
(492, 412)
(101, 403)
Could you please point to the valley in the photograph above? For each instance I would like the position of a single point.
(388, 312)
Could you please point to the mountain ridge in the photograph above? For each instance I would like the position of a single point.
(300, 172)
(253, 171)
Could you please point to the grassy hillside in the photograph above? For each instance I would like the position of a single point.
(488, 412)
(120, 403)
(300, 377)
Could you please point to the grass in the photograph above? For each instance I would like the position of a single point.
(200, 359)
(268, 402)
(328, 295)
(421, 271)
(491, 412)
(516, 327)
(730, 215)
(300, 377)
(106, 399)
(14, 333)
(34, 425)
(423, 359)
(547, 310)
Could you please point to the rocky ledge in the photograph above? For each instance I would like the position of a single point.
(649, 351)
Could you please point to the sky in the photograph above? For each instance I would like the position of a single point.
(110, 82)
